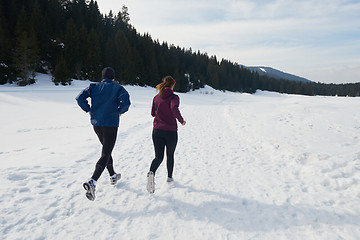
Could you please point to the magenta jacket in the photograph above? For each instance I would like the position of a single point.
(165, 109)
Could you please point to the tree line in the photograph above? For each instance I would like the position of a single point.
(71, 39)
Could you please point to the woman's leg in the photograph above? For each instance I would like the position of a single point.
(159, 147)
(171, 142)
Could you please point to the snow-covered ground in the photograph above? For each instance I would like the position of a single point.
(262, 166)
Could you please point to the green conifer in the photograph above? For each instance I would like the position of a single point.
(25, 56)
(62, 74)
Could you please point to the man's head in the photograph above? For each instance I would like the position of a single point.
(108, 72)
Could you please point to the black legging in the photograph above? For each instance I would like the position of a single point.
(107, 137)
(162, 138)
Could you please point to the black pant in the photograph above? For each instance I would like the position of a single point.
(107, 137)
(162, 139)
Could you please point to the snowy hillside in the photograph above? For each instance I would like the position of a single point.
(271, 72)
(261, 166)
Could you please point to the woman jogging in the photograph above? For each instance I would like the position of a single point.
(108, 101)
(165, 110)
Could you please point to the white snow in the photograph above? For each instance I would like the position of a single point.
(262, 69)
(261, 166)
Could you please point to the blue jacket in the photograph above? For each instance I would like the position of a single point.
(108, 100)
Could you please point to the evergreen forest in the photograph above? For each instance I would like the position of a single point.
(71, 39)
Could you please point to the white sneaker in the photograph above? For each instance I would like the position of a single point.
(90, 189)
(115, 178)
(170, 180)
(150, 182)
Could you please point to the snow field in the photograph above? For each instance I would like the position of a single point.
(262, 166)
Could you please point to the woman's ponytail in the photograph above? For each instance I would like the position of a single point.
(167, 81)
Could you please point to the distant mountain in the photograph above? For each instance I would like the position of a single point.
(271, 72)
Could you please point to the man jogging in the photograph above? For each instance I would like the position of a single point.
(108, 101)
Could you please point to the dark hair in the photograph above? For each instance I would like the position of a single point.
(167, 81)
(108, 72)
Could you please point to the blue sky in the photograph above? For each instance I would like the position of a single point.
(315, 39)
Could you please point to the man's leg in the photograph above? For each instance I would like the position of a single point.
(107, 137)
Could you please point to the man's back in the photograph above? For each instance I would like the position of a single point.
(108, 100)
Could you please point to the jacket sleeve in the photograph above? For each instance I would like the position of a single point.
(124, 99)
(82, 99)
(174, 106)
(153, 112)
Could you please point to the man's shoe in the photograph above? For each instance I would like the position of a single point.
(90, 190)
(115, 178)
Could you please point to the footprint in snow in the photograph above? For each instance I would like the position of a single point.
(17, 177)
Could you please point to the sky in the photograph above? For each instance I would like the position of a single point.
(315, 39)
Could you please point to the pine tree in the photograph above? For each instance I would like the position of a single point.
(122, 56)
(11, 14)
(109, 56)
(138, 66)
(125, 17)
(150, 75)
(56, 16)
(72, 48)
(93, 61)
(37, 23)
(4, 50)
(62, 74)
(25, 55)
(213, 73)
(80, 66)
(93, 16)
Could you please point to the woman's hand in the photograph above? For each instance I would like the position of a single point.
(183, 123)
